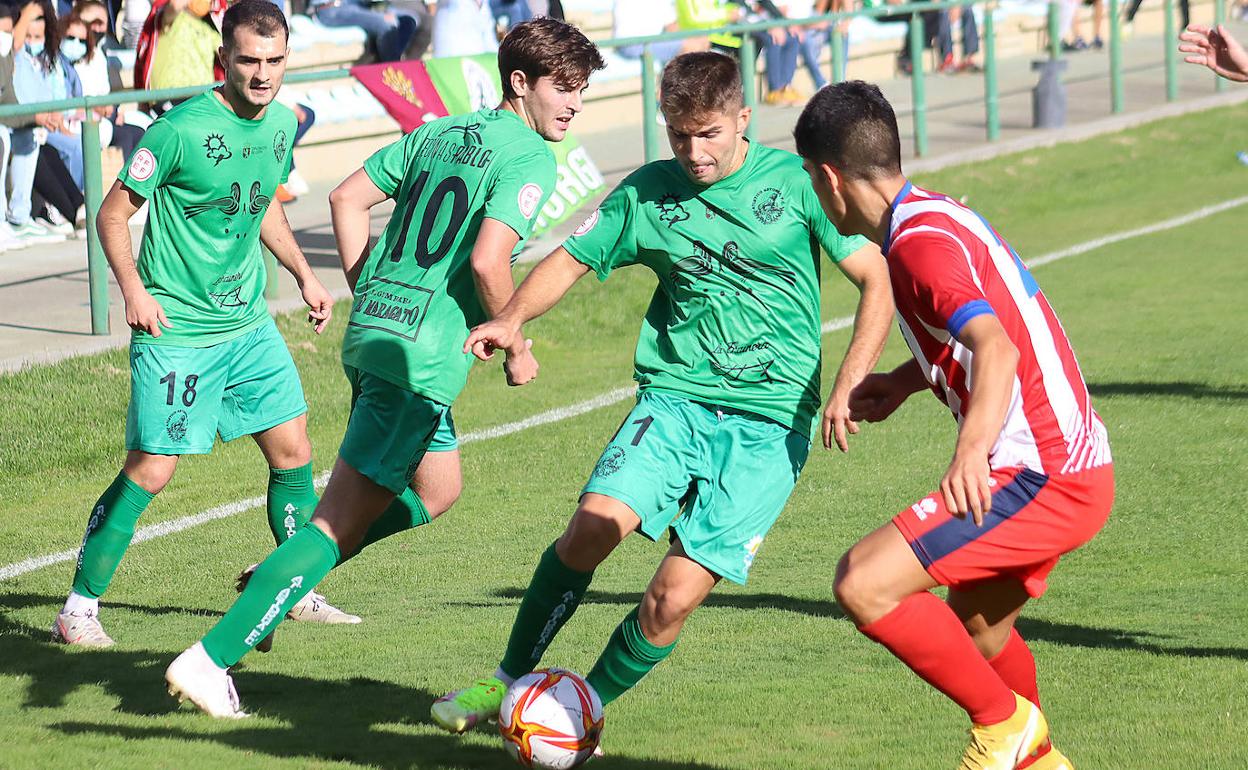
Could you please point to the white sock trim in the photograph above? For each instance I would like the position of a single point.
(81, 605)
(501, 675)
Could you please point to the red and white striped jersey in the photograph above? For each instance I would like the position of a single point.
(947, 266)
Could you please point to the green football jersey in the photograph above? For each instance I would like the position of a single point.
(208, 176)
(735, 318)
(416, 298)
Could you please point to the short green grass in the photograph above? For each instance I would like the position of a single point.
(1139, 640)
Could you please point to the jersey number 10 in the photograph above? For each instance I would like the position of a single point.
(452, 186)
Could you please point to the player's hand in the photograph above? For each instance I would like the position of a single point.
(521, 366)
(837, 423)
(1215, 49)
(144, 313)
(875, 398)
(965, 487)
(498, 334)
(320, 303)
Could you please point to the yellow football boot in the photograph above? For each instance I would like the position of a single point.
(1005, 745)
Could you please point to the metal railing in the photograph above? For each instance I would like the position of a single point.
(93, 181)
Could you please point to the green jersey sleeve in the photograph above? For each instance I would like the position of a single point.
(836, 245)
(387, 166)
(606, 240)
(158, 157)
(521, 190)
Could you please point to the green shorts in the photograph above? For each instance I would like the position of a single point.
(391, 429)
(182, 397)
(718, 477)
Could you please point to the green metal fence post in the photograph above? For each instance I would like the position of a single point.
(836, 39)
(649, 106)
(1116, 98)
(749, 78)
(917, 92)
(991, 97)
(97, 264)
(1219, 17)
(1055, 30)
(1172, 54)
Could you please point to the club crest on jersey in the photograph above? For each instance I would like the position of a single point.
(142, 165)
(768, 205)
(590, 222)
(671, 210)
(216, 150)
(175, 425)
(530, 196)
(279, 146)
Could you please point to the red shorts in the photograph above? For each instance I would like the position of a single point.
(1034, 520)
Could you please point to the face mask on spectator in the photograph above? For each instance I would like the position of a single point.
(6, 43)
(73, 49)
(34, 47)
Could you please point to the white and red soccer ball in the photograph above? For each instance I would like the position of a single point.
(551, 719)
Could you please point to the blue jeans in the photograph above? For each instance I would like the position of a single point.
(781, 62)
(516, 11)
(662, 52)
(300, 130)
(25, 157)
(70, 150)
(391, 37)
(811, 45)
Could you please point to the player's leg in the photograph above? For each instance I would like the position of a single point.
(175, 399)
(648, 634)
(290, 497)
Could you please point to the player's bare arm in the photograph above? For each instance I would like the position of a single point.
(539, 292)
(276, 235)
(143, 312)
(491, 273)
(1215, 48)
(879, 394)
(994, 364)
(868, 271)
(349, 205)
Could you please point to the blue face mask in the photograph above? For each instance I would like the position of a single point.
(35, 47)
(73, 49)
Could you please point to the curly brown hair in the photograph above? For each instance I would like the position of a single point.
(547, 47)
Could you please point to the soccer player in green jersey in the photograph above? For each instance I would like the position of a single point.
(205, 357)
(728, 364)
(467, 189)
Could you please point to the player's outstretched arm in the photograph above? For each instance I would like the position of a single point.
(868, 271)
(143, 312)
(994, 364)
(275, 233)
(491, 273)
(1216, 49)
(349, 205)
(879, 394)
(539, 292)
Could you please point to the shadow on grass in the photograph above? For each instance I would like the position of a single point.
(20, 601)
(359, 720)
(814, 607)
(1192, 390)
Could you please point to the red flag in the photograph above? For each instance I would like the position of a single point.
(405, 90)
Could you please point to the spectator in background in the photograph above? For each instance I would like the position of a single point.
(80, 48)
(1075, 40)
(390, 31)
(1185, 14)
(709, 14)
(509, 13)
(178, 45)
(810, 39)
(133, 15)
(19, 129)
(464, 28)
(42, 74)
(642, 18)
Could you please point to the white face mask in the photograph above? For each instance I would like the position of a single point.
(6, 43)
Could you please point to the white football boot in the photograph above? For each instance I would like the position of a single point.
(81, 629)
(193, 676)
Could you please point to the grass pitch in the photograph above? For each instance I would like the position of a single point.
(1139, 640)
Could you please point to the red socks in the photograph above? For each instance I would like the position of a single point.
(928, 637)
(1017, 668)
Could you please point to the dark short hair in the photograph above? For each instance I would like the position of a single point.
(546, 47)
(851, 127)
(701, 84)
(261, 16)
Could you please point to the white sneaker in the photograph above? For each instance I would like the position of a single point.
(193, 676)
(82, 629)
(296, 185)
(32, 232)
(8, 239)
(314, 609)
(51, 225)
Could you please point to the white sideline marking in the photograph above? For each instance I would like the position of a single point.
(606, 399)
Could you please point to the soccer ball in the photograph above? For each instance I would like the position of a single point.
(551, 719)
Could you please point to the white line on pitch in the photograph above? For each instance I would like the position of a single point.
(606, 399)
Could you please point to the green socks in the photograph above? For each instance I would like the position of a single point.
(551, 598)
(109, 531)
(406, 512)
(291, 500)
(281, 580)
(628, 657)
